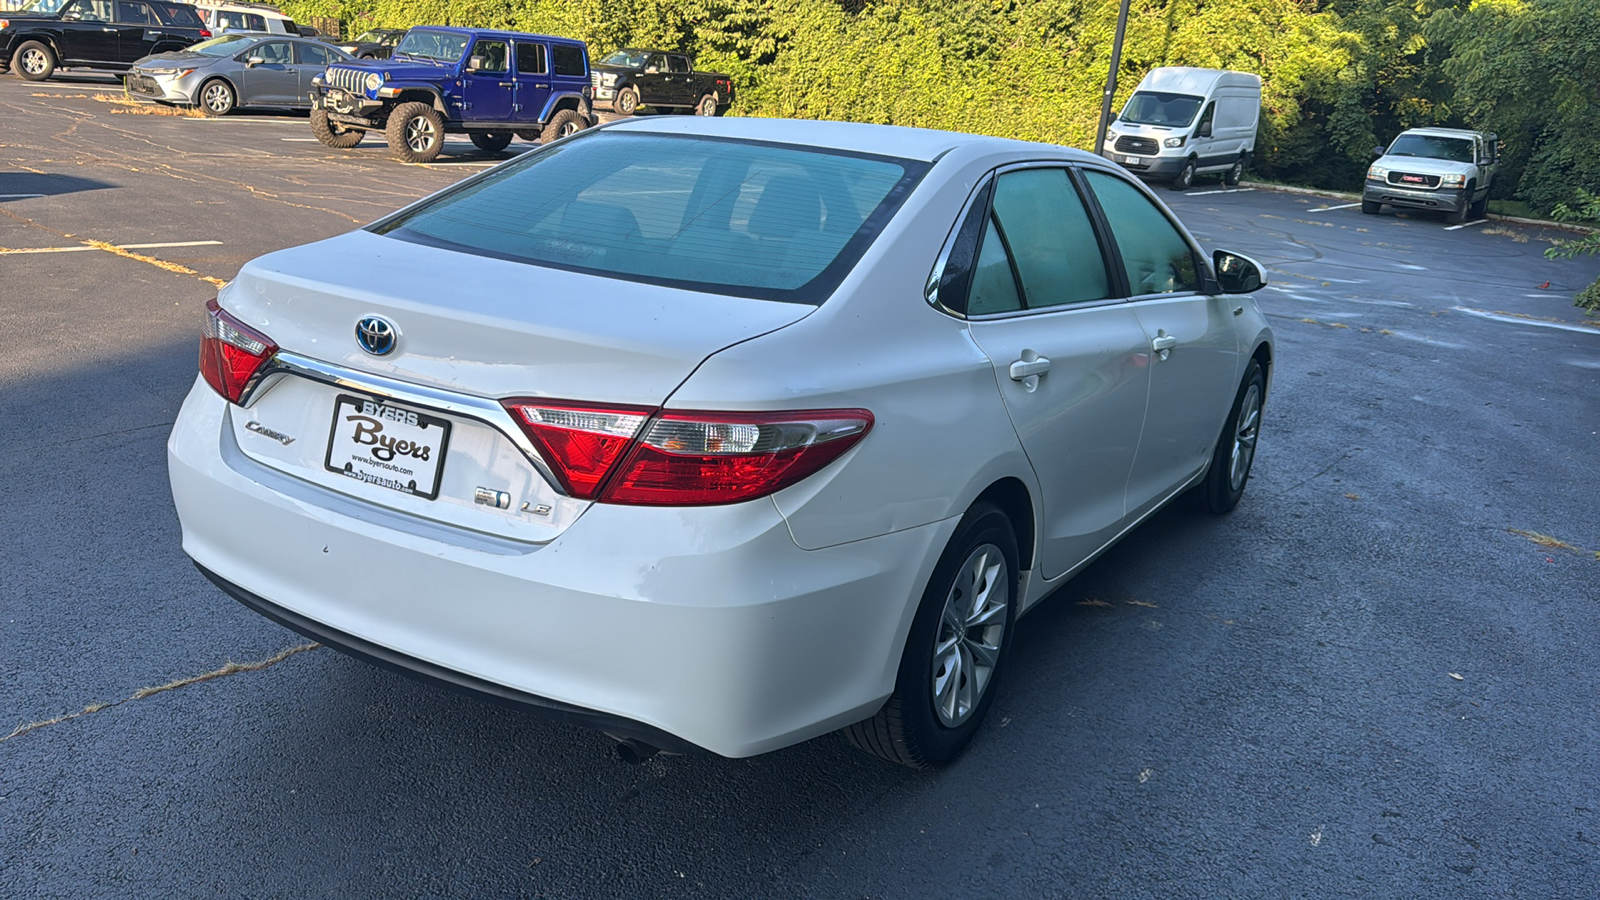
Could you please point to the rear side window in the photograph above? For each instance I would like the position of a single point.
(677, 64)
(135, 14)
(530, 59)
(179, 15)
(775, 222)
(569, 60)
(312, 55)
(1155, 255)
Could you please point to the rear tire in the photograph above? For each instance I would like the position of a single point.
(217, 98)
(1233, 176)
(1185, 177)
(329, 135)
(707, 105)
(1236, 447)
(415, 133)
(957, 647)
(1370, 207)
(490, 141)
(563, 123)
(34, 61)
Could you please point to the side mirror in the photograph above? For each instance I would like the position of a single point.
(1377, 151)
(474, 64)
(1238, 274)
(254, 61)
(651, 70)
(73, 15)
(1204, 130)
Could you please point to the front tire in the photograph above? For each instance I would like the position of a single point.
(34, 61)
(1236, 449)
(957, 646)
(415, 133)
(328, 135)
(217, 98)
(490, 141)
(1185, 177)
(563, 123)
(627, 102)
(1370, 207)
(1480, 208)
(1457, 216)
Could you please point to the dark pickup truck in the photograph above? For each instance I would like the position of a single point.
(631, 78)
(47, 35)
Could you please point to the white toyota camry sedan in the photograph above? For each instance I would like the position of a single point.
(719, 434)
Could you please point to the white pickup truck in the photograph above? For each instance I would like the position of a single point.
(1446, 169)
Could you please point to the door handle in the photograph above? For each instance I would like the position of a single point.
(1023, 369)
(508, 84)
(108, 29)
(1163, 343)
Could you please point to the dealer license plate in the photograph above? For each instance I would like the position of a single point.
(1130, 160)
(386, 445)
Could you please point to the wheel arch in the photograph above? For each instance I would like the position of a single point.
(565, 100)
(421, 94)
(1011, 497)
(1262, 355)
(42, 37)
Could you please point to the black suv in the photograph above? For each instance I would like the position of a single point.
(47, 35)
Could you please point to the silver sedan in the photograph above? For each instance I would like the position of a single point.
(235, 70)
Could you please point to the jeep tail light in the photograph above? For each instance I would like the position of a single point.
(685, 458)
(231, 352)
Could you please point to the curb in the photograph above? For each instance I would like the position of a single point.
(1340, 195)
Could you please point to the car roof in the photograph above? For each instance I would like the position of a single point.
(924, 144)
(1443, 132)
(504, 35)
(271, 12)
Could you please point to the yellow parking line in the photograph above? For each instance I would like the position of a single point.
(80, 249)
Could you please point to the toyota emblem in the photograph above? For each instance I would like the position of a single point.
(376, 335)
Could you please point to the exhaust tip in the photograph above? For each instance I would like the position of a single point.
(633, 752)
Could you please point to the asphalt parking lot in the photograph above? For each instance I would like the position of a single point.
(1377, 678)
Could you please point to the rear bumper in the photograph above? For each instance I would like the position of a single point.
(702, 627)
(1443, 199)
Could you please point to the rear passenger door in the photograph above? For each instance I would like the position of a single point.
(533, 80)
(311, 60)
(682, 83)
(1193, 348)
(1070, 357)
(138, 30)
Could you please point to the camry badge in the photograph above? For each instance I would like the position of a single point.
(376, 335)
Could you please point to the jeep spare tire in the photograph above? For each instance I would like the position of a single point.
(415, 133)
(330, 134)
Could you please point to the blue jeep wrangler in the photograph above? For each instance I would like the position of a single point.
(489, 85)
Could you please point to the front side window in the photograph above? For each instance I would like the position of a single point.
(135, 14)
(1160, 108)
(1207, 116)
(657, 63)
(491, 57)
(436, 45)
(90, 11)
(569, 60)
(530, 59)
(766, 221)
(1155, 255)
(274, 53)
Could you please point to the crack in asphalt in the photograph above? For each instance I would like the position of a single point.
(231, 668)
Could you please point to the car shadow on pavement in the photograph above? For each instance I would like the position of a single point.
(27, 185)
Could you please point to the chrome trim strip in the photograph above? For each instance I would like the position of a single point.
(479, 409)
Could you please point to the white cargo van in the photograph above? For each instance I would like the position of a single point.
(1181, 122)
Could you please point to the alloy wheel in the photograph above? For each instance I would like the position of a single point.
(420, 134)
(569, 128)
(218, 98)
(971, 629)
(1244, 437)
(34, 61)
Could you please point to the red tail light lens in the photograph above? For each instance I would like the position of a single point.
(626, 455)
(580, 442)
(231, 352)
(205, 33)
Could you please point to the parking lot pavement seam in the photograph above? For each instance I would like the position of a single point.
(114, 250)
(232, 668)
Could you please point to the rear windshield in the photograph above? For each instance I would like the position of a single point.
(1433, 147)
(771, 221)
(1159, 108)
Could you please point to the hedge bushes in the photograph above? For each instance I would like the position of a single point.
(1339, 76)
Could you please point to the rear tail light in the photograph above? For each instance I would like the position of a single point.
(231, 352)
(634, 456)
(205, 34)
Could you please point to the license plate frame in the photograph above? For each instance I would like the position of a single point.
(405, 424)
